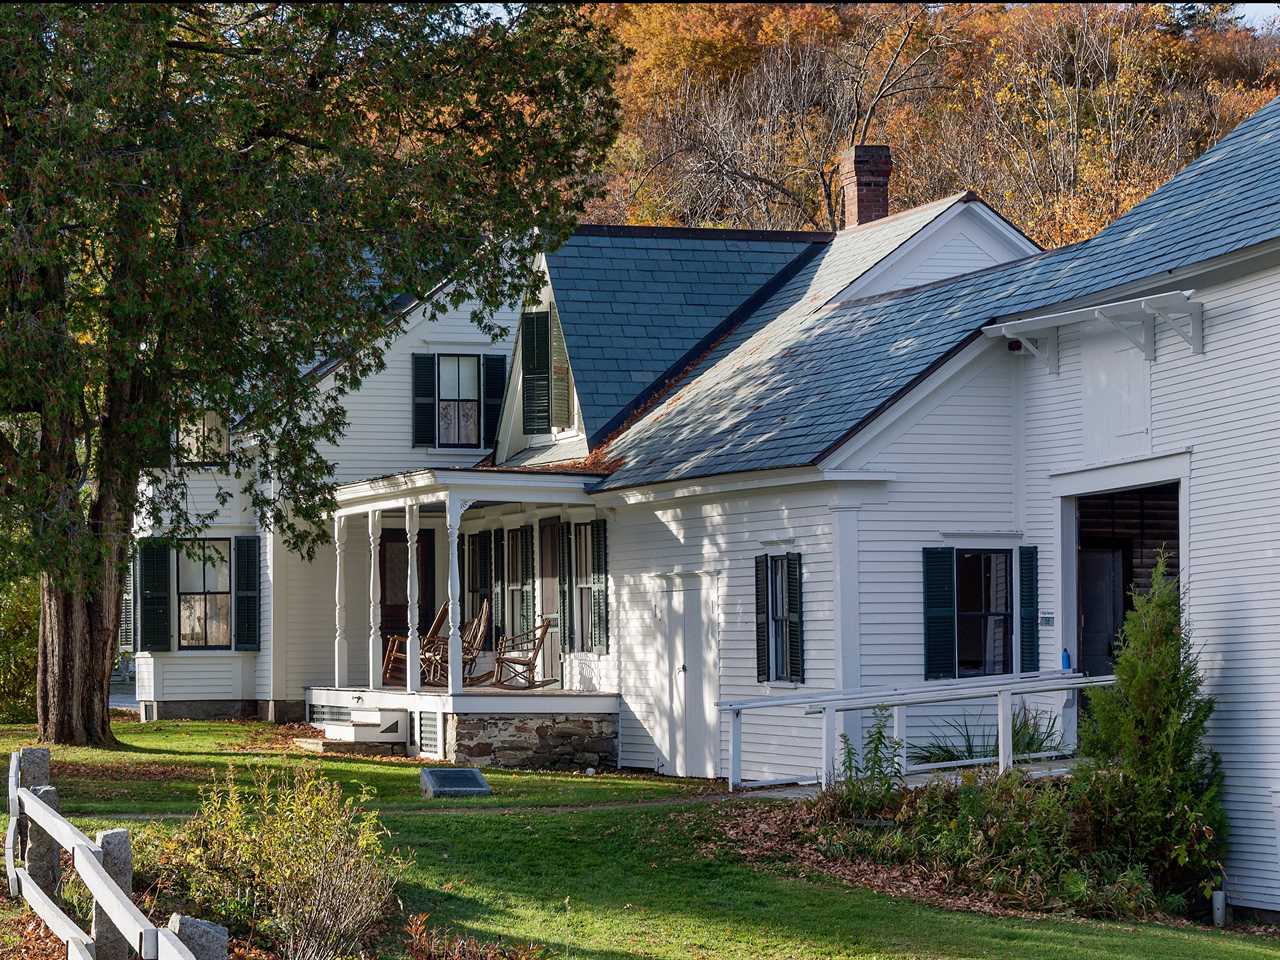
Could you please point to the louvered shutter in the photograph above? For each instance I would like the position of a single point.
(1029, 607)
(247, 589)
(939, 613)
(484, 575)
(599, 585)
(795, 619)
(499, 581)
(154, 634)
(561, 401)
(762, 618)
(566, 589)
(535, 368)
(424, 399)
(495, 382)
(526, 578)
(124, 639)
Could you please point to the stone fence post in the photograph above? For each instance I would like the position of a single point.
(117, 859)
(206, 941)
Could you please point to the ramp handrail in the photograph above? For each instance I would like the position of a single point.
(828, 704)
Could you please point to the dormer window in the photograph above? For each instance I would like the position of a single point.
(546, 376)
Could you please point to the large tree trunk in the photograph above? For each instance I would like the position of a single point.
(79, 623)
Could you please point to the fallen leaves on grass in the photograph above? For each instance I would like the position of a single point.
(125, 772)
(33, 940)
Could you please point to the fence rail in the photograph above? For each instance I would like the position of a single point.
(828, 705)
(33, 825)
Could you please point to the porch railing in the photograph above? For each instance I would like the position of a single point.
(829, 704)
(36, 831)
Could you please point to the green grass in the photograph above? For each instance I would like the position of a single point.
(611, 880)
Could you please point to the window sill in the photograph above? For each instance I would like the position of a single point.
(773, 685)
(195, 652)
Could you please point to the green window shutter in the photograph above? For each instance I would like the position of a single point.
(762, 618)
(526, 578)
(599, 585)
(124, 640)
(499, 580)
(484, 575)
(495, 382)
(424, 399)
(1029, 607)
(795, 619)
(939, 613)
(566, 589)
(561, 401)
(535, 367)
(247, 589)
(154, 633)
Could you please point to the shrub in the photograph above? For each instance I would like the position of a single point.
(19, 649)
(868, 786)
(430, 943)
(1034, 732)
(289, 860)
(1151, 776)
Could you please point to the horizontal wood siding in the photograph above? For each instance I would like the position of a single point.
(1225, 405)
(723, 535)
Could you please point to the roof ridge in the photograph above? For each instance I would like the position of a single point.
(701, 233)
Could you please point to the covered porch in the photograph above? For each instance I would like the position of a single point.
(485, 557)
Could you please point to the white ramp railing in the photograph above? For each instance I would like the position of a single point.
(829, 704)
(35, 835)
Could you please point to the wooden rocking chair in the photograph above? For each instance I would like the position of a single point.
(435, 658)
(398, 646)
(517, 661)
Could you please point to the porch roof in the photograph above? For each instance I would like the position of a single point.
(439, 485)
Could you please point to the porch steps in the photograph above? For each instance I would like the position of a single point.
(371, 730)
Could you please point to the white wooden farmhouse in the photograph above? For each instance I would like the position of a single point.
(723, 466)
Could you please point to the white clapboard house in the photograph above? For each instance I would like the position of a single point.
(725, 465)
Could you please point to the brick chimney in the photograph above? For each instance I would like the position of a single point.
(864, 175)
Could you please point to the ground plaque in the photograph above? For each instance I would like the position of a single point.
(454, 782)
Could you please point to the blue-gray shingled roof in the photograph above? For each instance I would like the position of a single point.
(634, 300)
(801, 375)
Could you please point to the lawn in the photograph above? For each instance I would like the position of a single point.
(617, 878)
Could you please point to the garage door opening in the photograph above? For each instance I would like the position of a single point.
(1119, 536)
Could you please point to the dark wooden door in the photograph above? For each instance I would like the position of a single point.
(549, 593)
(393, 569)
(1102, 587)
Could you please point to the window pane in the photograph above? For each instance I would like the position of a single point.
(191, 621)
(448, 378)
(585, 621)
(216, 436)
(218, 620)
(217, 571)
(190, 573)
(984, 645)
(983, 581)
(469, 423)
(468, 378)
(448, 422)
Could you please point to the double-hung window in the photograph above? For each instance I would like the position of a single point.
(969, 606)
(515, 580)
(204, 596)
(458, 406)
(984, 612)
(779, 618)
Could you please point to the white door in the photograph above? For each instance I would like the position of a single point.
(693, 743)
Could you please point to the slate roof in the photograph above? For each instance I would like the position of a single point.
(802, 374)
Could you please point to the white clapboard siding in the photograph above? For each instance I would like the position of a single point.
(1225, 407)
(722, 535)
(954, 466)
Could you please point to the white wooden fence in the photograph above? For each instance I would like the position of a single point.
(828, 704)
(27, 813)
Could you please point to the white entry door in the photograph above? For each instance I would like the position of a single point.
(693, 742)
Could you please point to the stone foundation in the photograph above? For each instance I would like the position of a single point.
(533, 741)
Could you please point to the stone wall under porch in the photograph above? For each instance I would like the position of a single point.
(533, 741)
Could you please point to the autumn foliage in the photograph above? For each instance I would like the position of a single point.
(1061, 115)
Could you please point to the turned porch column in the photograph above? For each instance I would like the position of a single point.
(453, 510)
(340, 658)
(375, 602)
(413, 647)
